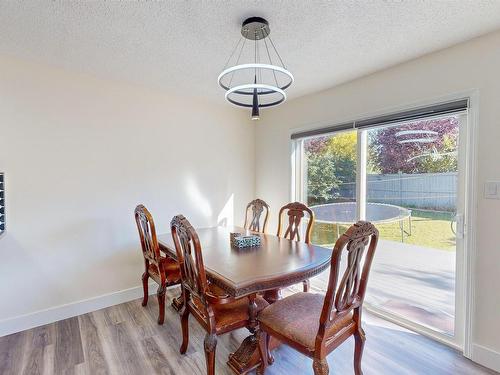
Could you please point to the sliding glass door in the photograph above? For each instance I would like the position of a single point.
(407, 177)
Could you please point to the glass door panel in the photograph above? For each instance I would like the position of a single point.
(411, 196)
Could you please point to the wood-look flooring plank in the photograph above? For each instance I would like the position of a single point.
(37, 354)
(43, 335)
(130, 358)
(144, 325)
(12, 353)
(106, 340)
(34, 361)
(157, 359)
(68, 345)
(48, 359)
(95, 359)
(115, 314)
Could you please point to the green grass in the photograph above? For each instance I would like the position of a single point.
(429, 229)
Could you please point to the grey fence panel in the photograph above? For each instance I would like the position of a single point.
(434, 191)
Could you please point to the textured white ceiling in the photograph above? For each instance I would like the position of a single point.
(183, 45)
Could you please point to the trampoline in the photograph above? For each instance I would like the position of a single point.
(345, 213)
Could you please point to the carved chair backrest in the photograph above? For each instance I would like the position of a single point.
(296, 212)
(147, 234)
(256, 208)
(189, 257)
(348, 294)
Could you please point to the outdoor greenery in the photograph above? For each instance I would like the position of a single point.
(429, 229)
(331, 164)
(323, 183)
(331, 160)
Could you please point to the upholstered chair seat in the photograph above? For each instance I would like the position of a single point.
(171, 268)
(229, 316)
(296, 318)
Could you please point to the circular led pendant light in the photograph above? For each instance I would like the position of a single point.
(257, 84)
(417, 136)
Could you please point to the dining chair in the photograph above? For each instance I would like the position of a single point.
(316, 324)
(213, 308)
(255, 209)
(162, 269)
(296, 211)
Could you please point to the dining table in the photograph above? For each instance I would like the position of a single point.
(276, 264)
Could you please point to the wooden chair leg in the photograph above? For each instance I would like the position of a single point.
(306, 286)
(359, 344)
(145, 278)
(185, 329)
(161, 303)
(270, 357)
(210, 345)
(263, 351)
(320, 366)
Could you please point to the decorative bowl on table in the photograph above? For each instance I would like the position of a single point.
(240, 240)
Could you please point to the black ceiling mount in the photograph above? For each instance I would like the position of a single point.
(255, 28)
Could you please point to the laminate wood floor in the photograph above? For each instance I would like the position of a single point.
(125, 339)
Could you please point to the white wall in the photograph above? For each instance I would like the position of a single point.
(471, 65)
(79, 153)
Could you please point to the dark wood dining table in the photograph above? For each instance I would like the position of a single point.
(277, 263)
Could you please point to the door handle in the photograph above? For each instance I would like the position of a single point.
(460, 222)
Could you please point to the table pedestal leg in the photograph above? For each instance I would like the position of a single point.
(247, 357)
(272, 296)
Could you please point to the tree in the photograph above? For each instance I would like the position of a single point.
(342, 147)
(394, 150)
(321, 177)
(331, 167)
(316, 145)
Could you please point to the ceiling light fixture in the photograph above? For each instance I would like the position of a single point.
(417, 136)
(257, 84)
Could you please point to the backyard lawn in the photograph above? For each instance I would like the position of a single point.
(429, 229)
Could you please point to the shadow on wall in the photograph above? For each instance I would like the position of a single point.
(226, 215)
(201, 203)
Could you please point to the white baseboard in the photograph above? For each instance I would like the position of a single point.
(486, 357)
(54, 314)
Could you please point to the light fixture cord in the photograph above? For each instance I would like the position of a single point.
(269, 55)
(238, 60)
(259, 71)
(275, 50)
(232, 54)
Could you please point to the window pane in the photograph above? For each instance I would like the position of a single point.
(330, 184)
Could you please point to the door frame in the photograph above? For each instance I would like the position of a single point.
(465, 294)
